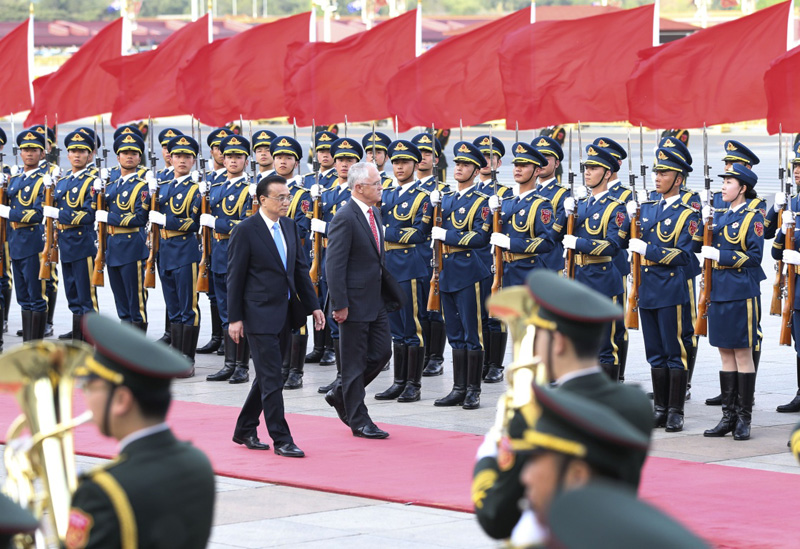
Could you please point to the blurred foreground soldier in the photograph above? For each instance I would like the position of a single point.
(159, 491)
(14, 520)
(571, 320)
(601, 516)
(794, 443)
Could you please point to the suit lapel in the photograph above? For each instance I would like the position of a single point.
(363, 221)
(266, 236)
(288, 242)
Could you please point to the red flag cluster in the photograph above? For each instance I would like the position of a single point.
(595, 69)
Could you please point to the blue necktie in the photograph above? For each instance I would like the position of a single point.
(276, 236)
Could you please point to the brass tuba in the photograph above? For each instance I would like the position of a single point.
(40, 375)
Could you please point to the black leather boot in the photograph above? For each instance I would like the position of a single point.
(400, 361)
(794, 405)
(415, 360)
(296, 361)
(7, 301)
(459, 391)
(175, 337)
(319, 346)
(141, 325)
(677, 396)
(691, 359)
(230, 361)
(438, 339)
(622, 353)
(660, 378)
(746, 388)
(77, 328)
(472, 400)
(486, 335)
(38, 324)
(217, 334)
(612, 370)
(189, 335)
(338, 361)
(166, 338)
(26, 325)
(242, 372)
(66, 335)
(497, 350)
(52, 295)
(727, 384)
(329, 356)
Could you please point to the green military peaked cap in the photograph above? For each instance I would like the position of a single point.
(124, 356)
(603, 516)
(568, 306)
(14, 519)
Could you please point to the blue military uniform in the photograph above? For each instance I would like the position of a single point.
(73, 196)
(555, 192)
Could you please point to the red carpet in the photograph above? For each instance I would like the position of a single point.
(732, 507)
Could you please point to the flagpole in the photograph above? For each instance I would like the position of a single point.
(30, 57)
(418, 30)
(533, 12)
(657, 23)
(127, 28)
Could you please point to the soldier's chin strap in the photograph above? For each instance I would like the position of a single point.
(674, 182)
(105, 429)
(563, 466)
(533, 176)
(605, 171)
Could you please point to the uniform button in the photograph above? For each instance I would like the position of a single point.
(646, 270)
(405, 251)
(671, 274)
(80, 233)
(604, 268)
(468, 255)
(652, 230)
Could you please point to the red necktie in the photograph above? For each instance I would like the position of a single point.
(374, 229)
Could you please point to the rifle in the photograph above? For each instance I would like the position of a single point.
(253, 170)
(434, 298)
(642, 165)
(569, 264)
(56, 149)
(497, 265)
(701, 324)
(46, 261)
(204, 271)
(14, 147)
(3, 226)
(155, 233)
(98, 278)
(779, 285)
(791, 271)
(632, 312)
(316, 247)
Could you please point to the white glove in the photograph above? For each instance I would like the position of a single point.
(319, 226)
(207, 220)
(97, 184)
(252, 189)
(51, 212)
(501, 240)
(780, 200)
(152, 182)
(570, 241)
(438, 233)
(316, 191)
(103, 174)
(436, 197)
(195, 175)
(488, 447)
(791, 257)
(637, 246)
(581, 193)
(158, 218)
(148, 175)
(569, 205)
(4, 211)
(709, 252)
(494, 203)
(203, 186)
(56, 171)
(707, 212)
(101, 216)
(15, 170)
(787, 218)
(706, 196)
(632, 207)
(47, 180)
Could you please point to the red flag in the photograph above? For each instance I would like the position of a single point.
(241, 57)
(555, 72)
(80, 87)
(458, 79)
(327, 81)
(146, 81)
(714, 76)
(16, 60)
(781, 83)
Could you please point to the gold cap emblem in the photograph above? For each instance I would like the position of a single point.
(730, 146)
(463, 148)
(284, 143)
(602, 143)
(170, 133)
(129, 139)
(234, 141)
(425, 139)
(345, 145)
(591, 152)
(542, 142)
(183, 141)
(520, 149)
(29, 135)
(324, 137)
(77, 137)
(400, 147)
(486, 141)
(662, 156)
(126, 130)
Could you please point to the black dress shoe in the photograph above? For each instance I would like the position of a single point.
(67, 335)
(223, 375)
(337, 405)
(240, 375)
(289, 450)
(251, 442)
(370, 431)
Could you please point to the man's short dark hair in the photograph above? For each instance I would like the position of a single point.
(153, 404)
(262, 189)
(588, 346)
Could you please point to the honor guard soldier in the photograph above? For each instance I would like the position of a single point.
(94, 141)
(214, 141)
(736, 253)
(47, 163)
(380, 142)
(287, 152)
(5, 277)
(72, 209)
(261, 150)
(494, 335)
(406, 215)
(465, 229)
(6, 169)
(668, 227)
(128, 203)
(25, 194)
(122, 131)
(346, 151)
(230, 203)
(159, 491)
(791, 257)
(164, 137)
(549, 187)
(600, 232)
(571, 321)
(177, 223)
(433, 332)
(327, 171)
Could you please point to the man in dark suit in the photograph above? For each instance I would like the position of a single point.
(269, 294)
(357, 282)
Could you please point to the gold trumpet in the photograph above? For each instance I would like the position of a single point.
(40, 375)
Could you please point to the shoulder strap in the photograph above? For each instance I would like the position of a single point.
(122, 506)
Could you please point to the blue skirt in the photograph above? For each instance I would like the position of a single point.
(733, 324)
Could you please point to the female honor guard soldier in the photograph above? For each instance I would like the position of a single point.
(178, 251)
(230, 203)
(74, 213)
(406, 214)
(465, 229)
(737, 250)
(24, 213)
(527, 220)
(667, 227)
(599, 234)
